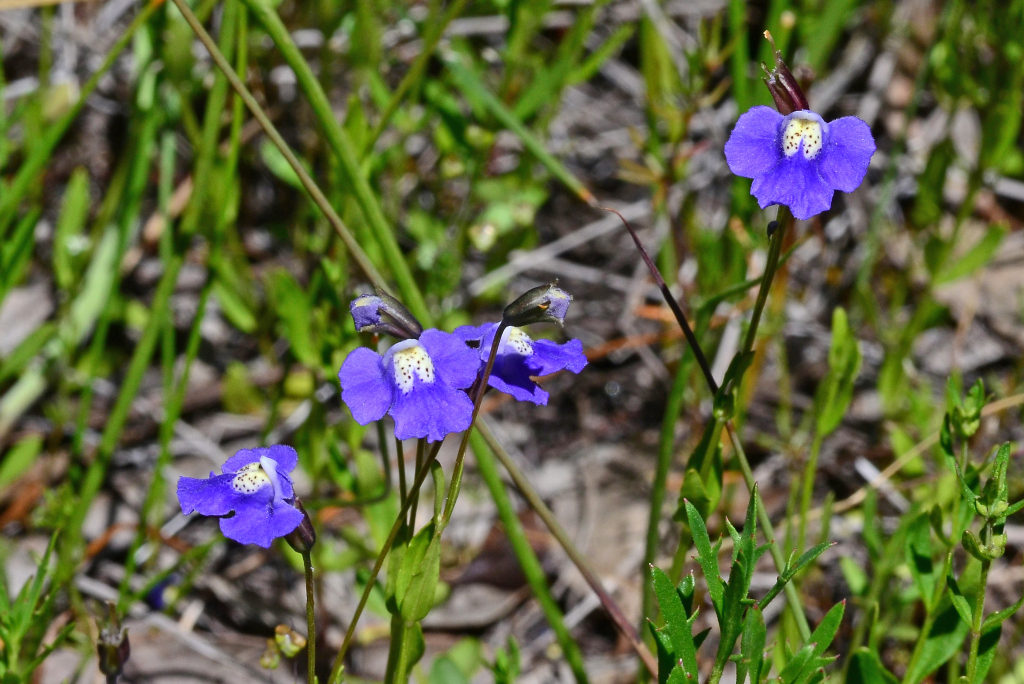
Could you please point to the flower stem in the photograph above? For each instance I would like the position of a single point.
(538, 505)
(808, 490)
(400, 520)
(307, 563)
(403, 491)
(460, 459)
(979, 613)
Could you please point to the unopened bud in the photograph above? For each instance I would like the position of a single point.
(113, 648)
(786, 92)
(302, 537)
(383, 314)
(289, 641)
(544, 303)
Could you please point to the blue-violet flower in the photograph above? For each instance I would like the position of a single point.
(253, 497)
(520, 357)
(419, 382)
(799, 160)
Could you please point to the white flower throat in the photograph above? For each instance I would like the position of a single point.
(515, 340)
(410, 361)
(807, 131)
(253, 477)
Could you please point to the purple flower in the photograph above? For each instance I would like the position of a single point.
(419, 382)
(520, 357)
(253, 498)
(799, 160)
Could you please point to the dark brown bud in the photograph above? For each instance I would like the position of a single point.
(302, 537)
(113, 647)
(544, 303)
(786, 91)
(383, 314)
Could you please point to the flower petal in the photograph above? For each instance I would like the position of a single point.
(455, 363)
(260, 522)
(431, 410)
(285, 456)
(796, 183)
(474, 333)
(511, 375)
(753, 147)
(213, 496)
(365, 388)
(549, 357)
(848, 153)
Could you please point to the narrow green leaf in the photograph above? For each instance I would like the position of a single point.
(997, 618)
(975, 258)
(797, 663)
(987, 647)
(676, 618)
(958, 599)
(827, 628)
(706, 557)
(19, 458)
(419, 597)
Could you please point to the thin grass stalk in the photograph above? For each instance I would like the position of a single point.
(578, 559)
(528, 560)
(315, 194)
(345, 149)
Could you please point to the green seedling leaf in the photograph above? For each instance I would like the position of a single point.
(278, 165)
(957, 597)
(707, 558)
(866, 668)
(685, 590)
(836, 390)
(854, 575)
(918, 548)
(444, 671)
(234, 307)
(666, 658)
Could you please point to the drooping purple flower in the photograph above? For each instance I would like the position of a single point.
(419, 382)
(253, 497)
(520, 357)
(798, 160)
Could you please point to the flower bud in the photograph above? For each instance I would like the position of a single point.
(289, 641)
(113, 648)
(383, 314)
(302, 537)
(783, 86)
(544, 303)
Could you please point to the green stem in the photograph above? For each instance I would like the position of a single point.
(528, 561)
(415, 493)
(979, 614)
(810, 470)
(578, 559)
(345, 149)
(403, 491)
(931, 612)
(307, 181)
(460, 459)
(401, 674)
(307, 564)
